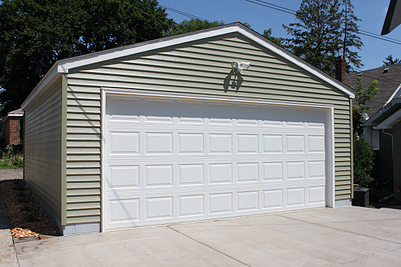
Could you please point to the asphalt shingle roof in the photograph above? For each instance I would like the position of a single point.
(387, 82)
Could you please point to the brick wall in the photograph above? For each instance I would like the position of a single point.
(12, 130)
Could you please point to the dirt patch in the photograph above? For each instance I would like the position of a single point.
(25, 215)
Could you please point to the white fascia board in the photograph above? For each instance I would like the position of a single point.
(393, 95)
(92, 58)
(15, 115)
(46, 81)
(63, 66)
(390, 121)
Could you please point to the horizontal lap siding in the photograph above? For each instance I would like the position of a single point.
(203, 69)
(42, 141)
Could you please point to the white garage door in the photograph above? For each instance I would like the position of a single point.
(180, 160)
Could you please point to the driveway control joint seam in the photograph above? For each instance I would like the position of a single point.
(208, 246)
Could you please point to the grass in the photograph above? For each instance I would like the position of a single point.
(16, 163)
(12, 159)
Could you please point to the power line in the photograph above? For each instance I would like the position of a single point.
(144, 11)
(181, 12)
(80, 9)
(293, 12)
(391, 40)
(265, 4)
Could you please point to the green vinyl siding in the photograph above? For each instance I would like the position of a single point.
(42, 141)
(200, 68)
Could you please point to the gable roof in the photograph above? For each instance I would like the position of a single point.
(388, 81)
(64, 65)
(387, 116)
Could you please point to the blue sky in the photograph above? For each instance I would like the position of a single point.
(372, 13)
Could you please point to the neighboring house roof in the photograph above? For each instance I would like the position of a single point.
(388, 81)
(63, 66)
(387, 116)
(17, 112)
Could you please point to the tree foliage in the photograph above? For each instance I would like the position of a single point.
(192, 25)
(363, 161)
(389, 60)
(363, 152)
(362, 96)
(268, 34)
(34, 34)
(325, 29)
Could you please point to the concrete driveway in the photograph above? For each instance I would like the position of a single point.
(350, 236)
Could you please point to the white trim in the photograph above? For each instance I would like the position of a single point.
(46, 81)
(330, 146)
(13, 115)
(393, 95)
(103, 160)
(390, 121)
(63, 66)
(330, 168)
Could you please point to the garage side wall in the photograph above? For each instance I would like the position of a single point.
(200, 68)
(42, 141)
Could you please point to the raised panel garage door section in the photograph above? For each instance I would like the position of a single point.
(175, 160)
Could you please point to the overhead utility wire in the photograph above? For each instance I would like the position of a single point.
(181, 12)
(79, 9)
(381, 36)
(282, 9)
(144, 11)
(293, 12)
(370, 35)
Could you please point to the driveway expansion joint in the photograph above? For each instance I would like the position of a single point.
(208, 246)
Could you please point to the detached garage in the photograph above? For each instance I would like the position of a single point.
(171, 130)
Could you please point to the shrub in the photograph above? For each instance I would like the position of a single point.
(363, 161)
(13, 159)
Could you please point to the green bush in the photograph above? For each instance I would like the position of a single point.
(363, 161)
(12, 159)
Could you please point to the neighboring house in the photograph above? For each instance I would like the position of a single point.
(12, 127)
(169, 131)
(388, 120)
(389, 84)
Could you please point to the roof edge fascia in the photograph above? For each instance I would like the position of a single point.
(382, 112)
(393, 95)
(389, 122)
(52, 75)
(64, 65)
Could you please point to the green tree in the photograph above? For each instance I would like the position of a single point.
(192, 25)
(389, 60)
(34, 34)
(361, 97)
(363, 162)
(268, 35)
(363, 152)
(325, 29)
(349, 35)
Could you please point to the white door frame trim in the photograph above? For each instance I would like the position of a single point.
(329, 132)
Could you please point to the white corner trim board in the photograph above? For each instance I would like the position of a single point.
(169, 158)
(63, 66)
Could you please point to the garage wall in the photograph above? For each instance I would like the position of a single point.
(42, 140)
(200, 68)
